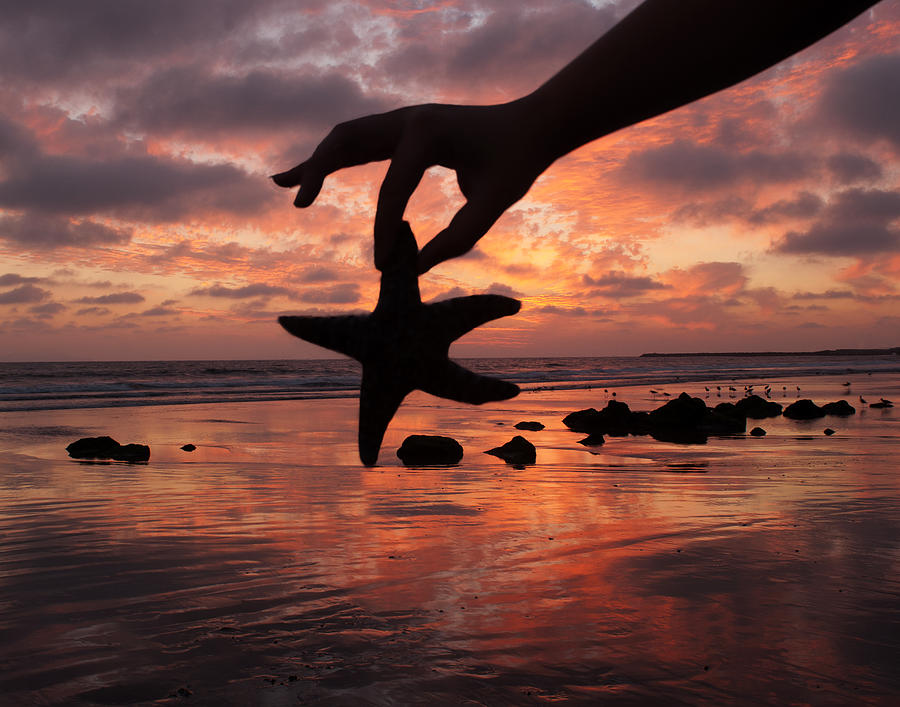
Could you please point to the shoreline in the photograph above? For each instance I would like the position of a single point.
(269, 566)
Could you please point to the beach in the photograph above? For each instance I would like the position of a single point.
(269, 567)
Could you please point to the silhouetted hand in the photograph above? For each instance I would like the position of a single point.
(661, 56)
(489, 148)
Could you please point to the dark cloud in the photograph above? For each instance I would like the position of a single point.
(12, 278)
(113, 298)
(803, 205)
(247, 291)
(93, 311)
(156, 188)
(690, 166)
(48, 310)
(24, 294)
(344, 293)
(158, 312)
(563, 311)
(499, 288)
(195, 101)
(38, 232)
(828, 294)
(619, 284)
(864, 99)
(847, 167)
(856, 223)
(58, 41)
(317, 273)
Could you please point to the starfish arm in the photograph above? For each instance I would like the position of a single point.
(460, 315)
(380, 394)
(454, 382)
(345, 334)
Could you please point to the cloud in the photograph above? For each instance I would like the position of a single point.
(690, 166)
(344, 293)
(37, 232)
(258, 289)
(847, 168)
(98, 311)
(856, 222)
(499, 288)
(113, 298)
(158, 312)
(155, 188)
(48, 309)
(619, 284)
(12, 278)
(828, 294)
(24, 294)
(317, 273)
(863, 100)
(204, 104)
(803, 205)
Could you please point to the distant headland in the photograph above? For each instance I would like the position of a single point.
(895, 351)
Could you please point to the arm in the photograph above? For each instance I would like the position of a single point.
(663, 55)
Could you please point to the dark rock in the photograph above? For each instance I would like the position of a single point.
(430, 449)
(828, 431)
(93, 448)
(757, 408)
(532, 426)
(803, 410)
(841, 408)
(881, 405)
(107, 448)
(517, 451)
(615, 419)
(132, 453)
(758, 432)
(583, 420)
(595, 439)
(189, 447)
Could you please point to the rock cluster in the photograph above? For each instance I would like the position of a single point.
(107, 448)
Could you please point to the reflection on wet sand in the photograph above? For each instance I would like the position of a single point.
(747, 571)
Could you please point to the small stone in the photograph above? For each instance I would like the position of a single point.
(531, 426)
(758, 432)
(595, 439)
(517, 451)
(430, 449)
(189, 447)
(829, 431)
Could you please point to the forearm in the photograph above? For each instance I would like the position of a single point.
(668, 53)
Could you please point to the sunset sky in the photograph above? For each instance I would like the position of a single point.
(137, 220)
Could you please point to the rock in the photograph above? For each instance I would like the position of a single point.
(595, 439)
(583, 420)
(132, 453)
(430, 449)
(758, 432)
(803, 410)
(828, 431)
(532, 426)
(881, 405)
(107, 448)
(841, 408)
(189, 447)
(517, 451)
(757, 408)
(615, 419)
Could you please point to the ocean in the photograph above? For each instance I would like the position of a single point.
(100, 384)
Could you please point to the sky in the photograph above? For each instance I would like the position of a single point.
(137, 220)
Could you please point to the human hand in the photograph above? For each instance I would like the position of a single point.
(491, 149)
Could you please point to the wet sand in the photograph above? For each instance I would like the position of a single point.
(269, 567)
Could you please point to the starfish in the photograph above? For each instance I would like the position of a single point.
(403, 345)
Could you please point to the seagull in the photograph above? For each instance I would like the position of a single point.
(862, 400)
(403, 345)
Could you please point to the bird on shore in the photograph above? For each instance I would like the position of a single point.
(403, 345)
(862, 400)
